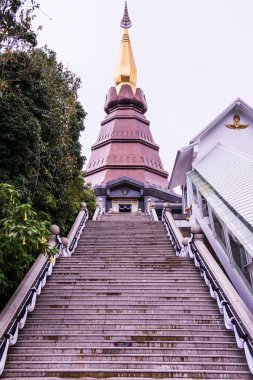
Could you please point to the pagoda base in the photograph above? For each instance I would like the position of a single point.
(128, 195)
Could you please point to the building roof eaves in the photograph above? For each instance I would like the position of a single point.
(236, 186)
(174, 180)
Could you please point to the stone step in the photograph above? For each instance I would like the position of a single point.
(53, 342)
(123, 228)
(146, 268)
(134, 259)
(130, 357)
(126, 277)
(127, 374)
(128, 309)
(124, 232)
(165, 281)
(131, 289)
(133, 318)
(80, 350)
(102, 263)
(114, 364)
(115, 253)
(82, 325)
(130, 336)
(140, 329)
(126, 312)
(190, 304)
(143, 238)
(140, 239)
(135, 297)
(164, 284)
(126, 246)
(109, 246)
(146, 237)
(90, 293)
(54, 365)
(85, 287)
(119, 272)
(123, 235)
(82, 282)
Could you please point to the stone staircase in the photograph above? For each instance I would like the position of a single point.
(125, 306)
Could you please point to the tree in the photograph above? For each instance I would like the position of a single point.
(40, 124)
(15, 24)
(23, 235)
(41, 120)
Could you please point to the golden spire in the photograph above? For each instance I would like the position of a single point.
(125, 72)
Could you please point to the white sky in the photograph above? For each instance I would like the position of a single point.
(194, 58)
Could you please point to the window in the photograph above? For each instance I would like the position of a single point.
(194, 191)
(204, 207)
(239, 255)
(219, 230)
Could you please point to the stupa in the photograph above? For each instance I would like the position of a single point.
(125, 168)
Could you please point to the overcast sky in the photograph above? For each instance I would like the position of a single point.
(194, 58)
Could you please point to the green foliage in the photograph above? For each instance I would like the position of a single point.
(15, 24)
(40, 154)
(89, 198)
(40, 121)
(23, 235)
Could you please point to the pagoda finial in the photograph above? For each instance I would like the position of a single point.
(126, 22)
(125, 72)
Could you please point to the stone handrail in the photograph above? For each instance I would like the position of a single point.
(237, 316)
(10, 311)
(69, 244)
(100, 209)
(13, 316)
(98, 213)
(150, 210)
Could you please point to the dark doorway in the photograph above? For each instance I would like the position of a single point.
(123, 207)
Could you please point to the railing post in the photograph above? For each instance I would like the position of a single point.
(100, 209)
(65, 251)
(153, 213)
(54, 239)
(149, 204)
(77, 229)
(197, 234)
(167, 207)
(184, 251)
(150, 210)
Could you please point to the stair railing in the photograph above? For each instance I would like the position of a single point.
(69, 244)
(14, 315)
(172, 233)
(100, 209)
(231, 312)
(150, 210)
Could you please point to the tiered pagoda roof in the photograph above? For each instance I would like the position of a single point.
(125, 146)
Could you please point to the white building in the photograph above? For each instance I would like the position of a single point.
(215, 172)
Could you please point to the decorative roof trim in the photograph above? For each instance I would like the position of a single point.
(161, 173)
(126, 140)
